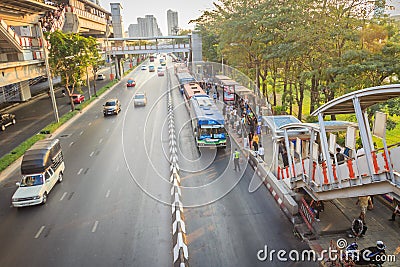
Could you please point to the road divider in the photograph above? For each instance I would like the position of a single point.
(180, 248)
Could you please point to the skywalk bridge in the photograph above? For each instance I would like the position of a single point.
(312, 163)
(148, 45)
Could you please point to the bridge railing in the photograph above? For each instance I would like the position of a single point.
(22, 42)
(146, 47)
(85, 14)
(350, 172)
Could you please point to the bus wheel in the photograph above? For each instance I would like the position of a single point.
(60, 177)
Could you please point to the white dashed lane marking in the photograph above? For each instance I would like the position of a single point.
(81, 133)
(80, 171)
(108, 193)
(39, 232)
(95, 226)
(70, 144)
(63, 196)
(91, 154)
(101, 141)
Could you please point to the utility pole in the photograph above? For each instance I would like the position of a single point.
(49, 76)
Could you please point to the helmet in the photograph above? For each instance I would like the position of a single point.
(380, 245)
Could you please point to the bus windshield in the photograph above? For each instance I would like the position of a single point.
(214, 133)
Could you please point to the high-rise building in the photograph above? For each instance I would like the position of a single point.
(146, 27)
(172, 21)
(117, 22)
(133, 30)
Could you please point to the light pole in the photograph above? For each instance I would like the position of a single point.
(50, 78)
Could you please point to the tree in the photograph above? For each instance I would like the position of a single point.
(69, 56)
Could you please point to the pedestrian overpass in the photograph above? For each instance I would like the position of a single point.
(148, 45)
(312, 163)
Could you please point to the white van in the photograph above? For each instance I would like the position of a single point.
(42, 166)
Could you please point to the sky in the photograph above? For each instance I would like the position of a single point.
(187, 10)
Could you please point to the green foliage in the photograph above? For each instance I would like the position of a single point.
(311, 49)
(9, 158)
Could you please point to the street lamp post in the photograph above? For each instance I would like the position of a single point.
(50, 78)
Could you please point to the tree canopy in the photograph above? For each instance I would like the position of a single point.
(318, 49)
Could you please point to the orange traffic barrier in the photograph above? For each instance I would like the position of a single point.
(279, 172)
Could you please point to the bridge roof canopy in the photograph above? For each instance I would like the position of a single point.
(23, 7)
(330, 126)
(367, 98)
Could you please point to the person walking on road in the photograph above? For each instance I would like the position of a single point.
(395, 212)
(236, 156)
(261, 152)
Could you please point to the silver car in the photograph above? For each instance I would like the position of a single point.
(140, 99)
(111, 107)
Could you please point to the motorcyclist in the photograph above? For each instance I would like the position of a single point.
(372, 255)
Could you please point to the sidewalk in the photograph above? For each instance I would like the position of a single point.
(337, 217)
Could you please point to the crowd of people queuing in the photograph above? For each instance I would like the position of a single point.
(51, 17)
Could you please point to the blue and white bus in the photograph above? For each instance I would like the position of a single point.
(207, 122)
(184, 78)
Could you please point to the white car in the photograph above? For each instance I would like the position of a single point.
(144, 67)
(140, 99)
(42, 167)
(101, 77)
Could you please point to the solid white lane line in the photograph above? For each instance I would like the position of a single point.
(39, 232)
(80, 171)
(101, 141)
(62, 197)
(81, 133)
(70, 144)
(95, 226)
(91, 154)
(108, 193)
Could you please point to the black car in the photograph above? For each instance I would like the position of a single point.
(6, 119)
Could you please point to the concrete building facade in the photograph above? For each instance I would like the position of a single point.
(172, 22)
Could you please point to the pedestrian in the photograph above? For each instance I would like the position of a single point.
(284, 155)
(364, 202)
(236, 157)
(255, 145)
(395, 212)
(250, 139)
(215, 97)
(63, 92)
(256, 138)
(317, 206)
(339, 156)
(261, 152)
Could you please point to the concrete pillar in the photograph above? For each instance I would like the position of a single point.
(24, 90)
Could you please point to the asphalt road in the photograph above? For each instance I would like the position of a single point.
(35, 114)
(110, 209)
(113, 206)
(226, 224)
